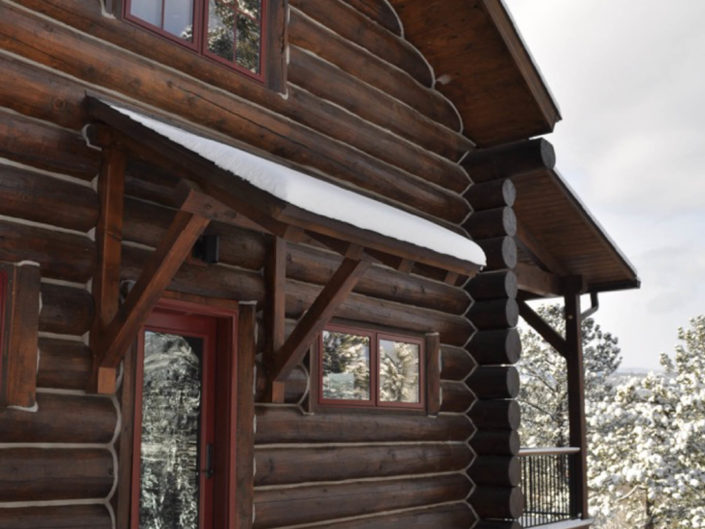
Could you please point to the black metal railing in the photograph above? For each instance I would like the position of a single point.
(548, 485)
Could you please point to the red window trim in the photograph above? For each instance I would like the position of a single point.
(218, 501)
(198, 45)
(374, 403)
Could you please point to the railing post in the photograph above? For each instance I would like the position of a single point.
(576, 398)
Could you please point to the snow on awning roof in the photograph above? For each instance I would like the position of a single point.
(317, 196)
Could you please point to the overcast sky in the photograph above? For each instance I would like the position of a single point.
(629, 77)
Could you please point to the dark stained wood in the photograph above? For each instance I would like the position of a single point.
(457, 397)
(19, 362)
(278, 466)
(494, 314)
(275, 312)
(495, 382)
(379, 11)
(61, 419)
(492, 285)
(497, 414)
(285, 425)
(448, 515)
(310, 35)
(242, 492)
(317, 317)
(433, 373)
(456, 363)
(513, 159)
(351, 24)
(55, 473)
(313, 503)
(61, 517)
(61, 255)
(63, 364)
(496, 470)
(496, 442)
(540, 256)
(38, 197)
(499, 346)
(295, 386)
(489, 524)
(501, 252)
(498, 502)
(491, 194)
(537, 282)
(65, 310)
(489, 223)
(156, 276)
(45, 146)
(546, 332)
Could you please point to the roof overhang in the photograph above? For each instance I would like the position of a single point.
(273, 196)
(482, 65)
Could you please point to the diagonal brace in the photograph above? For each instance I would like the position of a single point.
(547, 332)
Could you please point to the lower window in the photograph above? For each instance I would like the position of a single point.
(184, 426)
(362, 368)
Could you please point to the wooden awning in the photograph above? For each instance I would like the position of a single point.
(286, 201)
(482, 66)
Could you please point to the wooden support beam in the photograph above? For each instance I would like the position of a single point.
(535, 281)
(317, 316)
(433, 373)
(510, 159)
(275, 310)
(544, 329)
(108, 234)
(156, 276)
(542, 258)
(576, 396)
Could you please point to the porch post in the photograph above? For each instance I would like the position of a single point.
(576, 397)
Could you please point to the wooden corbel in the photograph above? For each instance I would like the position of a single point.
(283, 358)
(546, 332)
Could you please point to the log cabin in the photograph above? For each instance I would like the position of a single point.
(262, 263)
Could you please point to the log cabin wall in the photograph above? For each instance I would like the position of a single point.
(359, 108)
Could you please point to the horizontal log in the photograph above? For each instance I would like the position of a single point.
(288, 425)
(47, 147)
(488, 223)
(315, 266)
(61, 255)
(497, 502)
(317, 503)
(35, 196)
(55, 474)
(308, 71)
(494, 314)
(63, 364)
(278, 466)
(107, 66)
(354, 26)
(511, 159)
(380, 11)
(56, 517)
(499, 346)
(456, 363)
(496, 414)
(453, 515)
(295, 386)
(499, 524)
(496, 442)
(456, 396)
(495, 382)
(501, 471)
(493, 194)
(308, 34)
(492, 285)
(61, 419)
(501, 252)
(65, 310)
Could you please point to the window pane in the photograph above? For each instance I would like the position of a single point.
(248, 43)
(171, 413)
(178, 18)
(398, 371)
(221, 28)
(250, 7)
(346, 366)
(148, 10)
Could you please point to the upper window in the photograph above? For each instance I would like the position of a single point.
(228, 31)
(359, 368)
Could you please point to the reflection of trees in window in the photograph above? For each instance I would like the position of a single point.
(346, 366)
(398, 371)
(171, 411)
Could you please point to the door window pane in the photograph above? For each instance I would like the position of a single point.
(178, 18)
(398, 371)
(346, 366)
(171, 424)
